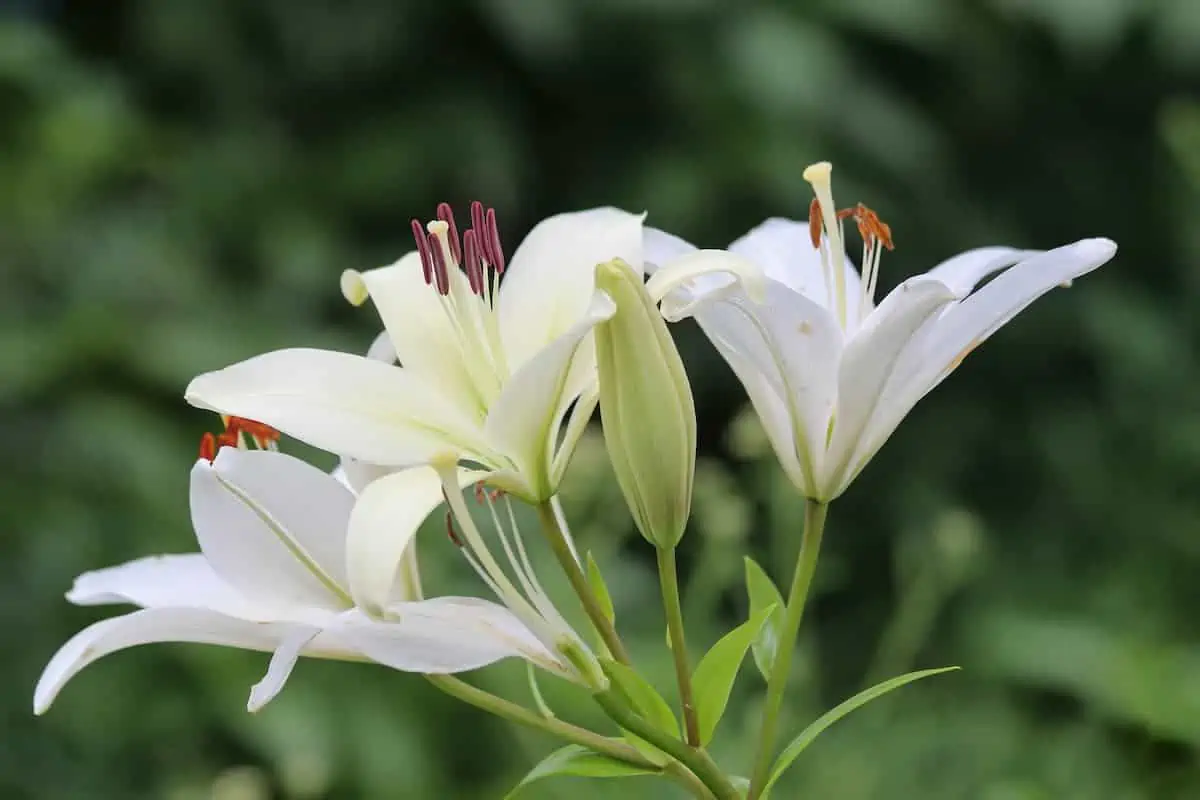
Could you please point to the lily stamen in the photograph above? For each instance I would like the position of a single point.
(264, 437)
(876, 235)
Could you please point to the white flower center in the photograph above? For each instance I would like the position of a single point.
(470, 304)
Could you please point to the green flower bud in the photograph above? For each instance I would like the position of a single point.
(646, 406)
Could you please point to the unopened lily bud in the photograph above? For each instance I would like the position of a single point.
(647, 408)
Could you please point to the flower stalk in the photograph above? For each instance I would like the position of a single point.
(579, 582)
(695, 759)
(669, 580)
(806, 565)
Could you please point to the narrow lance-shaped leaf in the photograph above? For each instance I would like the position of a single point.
(648, 703)
(581, 762)
(763, 594)
(713, 680)
(600, 588)
(818, 726)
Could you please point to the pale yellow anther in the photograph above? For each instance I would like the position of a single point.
(354, 288)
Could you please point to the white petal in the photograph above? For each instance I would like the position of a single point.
(310, 507)
(241, 513)
(382, 527)
(178, 581)
(144, 627)
(964, 326)
(795, 345)
(282, 661)
(443, 635)
(703, 276)
(382, 349)
(660, 247)
(342, 403)
(417, 322)
(549, 281)
(964, 270)
(581, 414)
(869, 361)
(766, 396)
(523, 421)
(356, 475)
(783, 249)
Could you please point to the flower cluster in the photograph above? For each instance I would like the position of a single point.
(488, 370)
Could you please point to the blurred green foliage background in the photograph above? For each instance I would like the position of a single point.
(181, 184)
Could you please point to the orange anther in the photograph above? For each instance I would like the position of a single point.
(814, 223)
(208, 447)
(870, 227)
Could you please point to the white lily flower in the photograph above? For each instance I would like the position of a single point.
(272, 576)
(381, 531)
(830, 373)
(488, 370)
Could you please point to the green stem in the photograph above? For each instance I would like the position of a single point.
(512, 712)
(579, 582)
(669, 579)
(806, 565)
(695, 759)
(564, 730)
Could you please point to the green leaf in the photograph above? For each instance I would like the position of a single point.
(818, 726)
(600, 588)
(763, 594)
(646, 701)
(713, 679)
(536, 691)
(581, 762)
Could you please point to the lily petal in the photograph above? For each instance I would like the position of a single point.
(964, 270)
(936, 353)
(382, 528)
(550, 278)
(869, 360)
(783, 249)
(420, 330)
(144, 627)
(175, 581)
(660, 247)
(236, 515)
(382, 349)
(703, 276)
(795, 344)
(342, 403)
(444, 635)
(283, 660)
(311, 509)
(523, 422)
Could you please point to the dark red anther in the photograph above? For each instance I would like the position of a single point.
(477, 222)
(471, 263)
(446, 215)
(491, 240)
(441, 276)
(455, 539)
(208, 447)
(418, 232)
